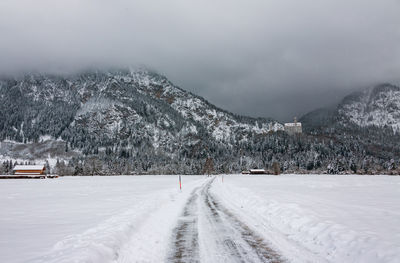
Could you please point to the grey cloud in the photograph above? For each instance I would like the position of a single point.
(268, 58)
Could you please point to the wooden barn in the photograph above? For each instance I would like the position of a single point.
(29, 171)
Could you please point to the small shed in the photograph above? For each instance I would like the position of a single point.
(30, 170)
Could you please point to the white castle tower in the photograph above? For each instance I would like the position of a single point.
(293, 127)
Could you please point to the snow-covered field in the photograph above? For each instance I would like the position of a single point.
(294, 218)
(321, 218)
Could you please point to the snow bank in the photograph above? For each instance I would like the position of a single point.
(320, 218)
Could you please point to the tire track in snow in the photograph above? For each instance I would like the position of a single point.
(240, 243)
(234, 240)
(186, 236)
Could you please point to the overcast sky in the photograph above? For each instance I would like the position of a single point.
(269, 58)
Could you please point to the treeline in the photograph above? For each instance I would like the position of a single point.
(336, 153)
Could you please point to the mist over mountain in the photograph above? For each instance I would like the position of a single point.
(373, 107)
(275, 59)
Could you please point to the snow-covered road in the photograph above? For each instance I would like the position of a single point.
(208, 232)
(309, 218)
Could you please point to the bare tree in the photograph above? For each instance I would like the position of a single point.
(47, 168)
(208, 166)
(277, 168)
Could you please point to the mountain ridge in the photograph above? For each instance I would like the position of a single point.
(136, 122)
(144, 83)
(123, 113)
(377, 105)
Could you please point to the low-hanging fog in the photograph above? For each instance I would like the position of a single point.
(270, 58)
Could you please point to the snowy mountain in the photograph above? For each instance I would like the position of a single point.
(110, 104)
(124, 112)
(376, 106)
(362, 131)
(137, 121)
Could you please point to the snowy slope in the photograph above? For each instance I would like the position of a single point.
(130, 114)
(378, 106)
(108, 102)
(221, 124)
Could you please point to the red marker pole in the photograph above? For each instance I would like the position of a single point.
(180, 183)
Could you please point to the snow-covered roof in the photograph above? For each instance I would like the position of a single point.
(293, 124)
(257, 170)
(28, 167)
